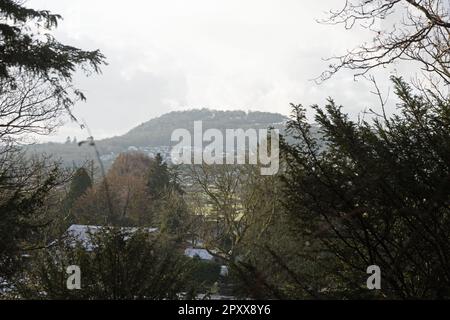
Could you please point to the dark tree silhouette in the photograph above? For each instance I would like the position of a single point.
(377, 193)
(22, 47)
(123, 264)
(80, 184)
(36, 89)
(25, 188)
(36, 71)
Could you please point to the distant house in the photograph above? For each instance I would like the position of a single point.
(82, 234)
(202, 254)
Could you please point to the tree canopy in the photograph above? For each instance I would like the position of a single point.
(377, 193)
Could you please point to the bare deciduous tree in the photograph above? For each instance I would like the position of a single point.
(28, 105)
(420, 33)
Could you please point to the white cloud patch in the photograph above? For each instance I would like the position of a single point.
(177, 54)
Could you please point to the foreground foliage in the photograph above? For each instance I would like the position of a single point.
(376, 193)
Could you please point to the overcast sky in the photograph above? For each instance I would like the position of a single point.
(167, 55)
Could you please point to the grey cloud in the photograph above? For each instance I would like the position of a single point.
(177, 54)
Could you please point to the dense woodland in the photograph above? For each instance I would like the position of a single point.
(349, 194)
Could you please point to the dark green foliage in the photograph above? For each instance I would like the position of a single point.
(81, 182)
(166, 197)
(25, 189)
(122, 265)
(173, 215)
(162, 180)
(205, 273)
(377, 195)
(36, 88)
(20, 48)
(158, 178)
(29, 53)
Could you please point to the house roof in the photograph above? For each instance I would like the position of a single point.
(83, 233)
(203, 254)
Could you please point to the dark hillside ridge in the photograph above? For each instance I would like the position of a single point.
(154, 136)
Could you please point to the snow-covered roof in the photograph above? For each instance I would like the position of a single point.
(203, 254)
(83, 233)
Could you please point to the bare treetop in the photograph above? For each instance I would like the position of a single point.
(422, 34)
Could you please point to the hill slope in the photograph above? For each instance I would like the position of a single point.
(154, 136)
